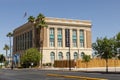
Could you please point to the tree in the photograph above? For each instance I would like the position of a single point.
(2, 58)
(31, 55)
(38, 23)
(31, 19)
(118, 42)
(10, 34)
(6, 48)
(86, 59)
(103, 48)
(97, 47)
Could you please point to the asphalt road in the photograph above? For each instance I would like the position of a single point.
(28, 74)
(37, 74)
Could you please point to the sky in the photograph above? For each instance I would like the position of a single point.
(104, 15)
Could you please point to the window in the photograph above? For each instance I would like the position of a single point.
(25, 40)
(67, 55)
(52, 56)
(75, 55)
(74, 38)
(59, 31)
(30, 38)
(51, 37)
(16, 43)
(59, 36)
(60, 55)
(81, 38)
(59, 43)
(22, 42)
(51, 31)
(82, 54)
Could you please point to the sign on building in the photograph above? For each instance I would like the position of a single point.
(67, 38)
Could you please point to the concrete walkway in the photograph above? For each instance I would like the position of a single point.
(103, 69)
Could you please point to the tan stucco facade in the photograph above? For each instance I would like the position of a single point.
(63, 24)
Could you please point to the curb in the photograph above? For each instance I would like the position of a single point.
(76, 77)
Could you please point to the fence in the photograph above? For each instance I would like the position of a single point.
(92, 63)
(64, 63)
(98, 63)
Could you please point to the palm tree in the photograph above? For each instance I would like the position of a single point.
(31, 20)
(38, 23)
(6, 48)
(10, 34)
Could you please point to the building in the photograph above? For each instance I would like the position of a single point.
(55, 39)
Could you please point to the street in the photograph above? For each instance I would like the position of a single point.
(37, 74)
(28, 74)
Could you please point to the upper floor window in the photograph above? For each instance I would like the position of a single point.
(59, 31)
(51, 37)
(74, 38)
(51, 31)
(59, 36)
(74, 32)
(81, 38)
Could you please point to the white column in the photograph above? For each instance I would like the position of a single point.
(85, 45)
(71, 55)
(78, 39)
(63, 37)
(48, 37)
(55, 33)
(71, 38)
(56, 45)
(56, 54)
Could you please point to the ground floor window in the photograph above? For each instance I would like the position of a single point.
(67, 55)
(82, 54)
(75, 55)
(52, 56)
(60, 55)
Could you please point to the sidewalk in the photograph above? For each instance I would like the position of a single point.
(98, 69)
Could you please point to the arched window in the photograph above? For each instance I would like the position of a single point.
(81, 55)
(52, 56)
(60, 55)
(67, 55)
(75, 55)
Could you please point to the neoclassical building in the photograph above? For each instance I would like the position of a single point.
(56, 41)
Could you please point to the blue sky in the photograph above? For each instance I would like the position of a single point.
(104, 14)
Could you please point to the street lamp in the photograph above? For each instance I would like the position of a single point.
(69, 59)
(67, 44)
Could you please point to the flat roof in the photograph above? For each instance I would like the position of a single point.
(68, 21)
(61, 21)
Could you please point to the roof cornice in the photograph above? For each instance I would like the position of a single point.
(67, 21)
